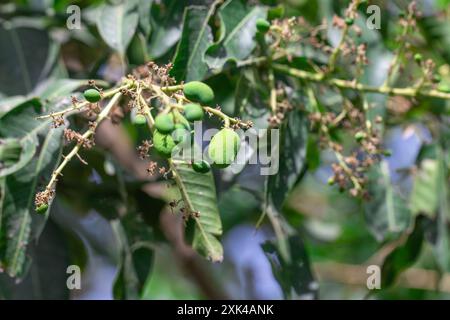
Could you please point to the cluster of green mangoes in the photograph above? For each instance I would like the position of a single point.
(172, 127)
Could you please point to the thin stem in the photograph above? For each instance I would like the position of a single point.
(226, 119)
(393, 68)
(78, 107)
(273, 92)
(171, 89)
(335, 53)
(84, 137)
(354, 85)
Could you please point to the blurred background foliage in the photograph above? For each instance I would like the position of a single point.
(108, 217)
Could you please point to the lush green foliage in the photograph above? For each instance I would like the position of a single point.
(363, 124)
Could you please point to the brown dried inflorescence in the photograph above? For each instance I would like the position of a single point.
(44, 197)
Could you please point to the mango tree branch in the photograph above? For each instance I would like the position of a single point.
(79, 107)
(354, 85)
(87, 135)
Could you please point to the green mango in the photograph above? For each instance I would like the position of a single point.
(224, 147)
(201, 166)
(92, 95)
(163, 143)
(140, 119)
(262, 25)
(200, 92)
(193, 112)
(164, 123)
(42, 208)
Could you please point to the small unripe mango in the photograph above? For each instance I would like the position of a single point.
(360, 135)
(42, 208)
(92, 95)
(224, 147)
(275, 13)
(200, 92)
(418, 57)
(180, 133)
(201, 166)
(193, 112)
(163, 143)
(164, 123)
(262, 25)
(140, 119)
(444, 87)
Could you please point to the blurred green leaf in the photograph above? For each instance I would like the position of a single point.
(20, 122)
(386, 212)
(403, 256)
(47, 277)
(15, 154)
(145, 7)
(167, 17)
(291, 152)
(117, 24)
(437, 34)
(294, 274)
(136, 257)
(425, 194)
(137, 50)
(19, 203)
(25, 60)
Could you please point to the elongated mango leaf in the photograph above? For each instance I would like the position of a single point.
(386, 212)
(26, 60)
(167, 17)
(405, 255)
(199, 195)
(425, 194)
(291, 152)
(433, 183)
(15, 154)
(238, 30)
(117, 24)
(19, 204)
(17, 211)
(195, 39)
(437, 34)
(136, 257)
(144, 16)
(294, 275)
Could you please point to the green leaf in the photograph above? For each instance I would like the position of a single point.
(291, 152)
(294, 274)
(144, 9)
(117, 24)
(12, 161)
(27, 59)
(199, 195)
(238, 30)
(20, 123)
(19, 203)
(136, 256)
(47, 277)
(58, 88)
(195, 39)
(405, 255)
(386, 212)
(425, 193)
(437, 34)
(438, 234)
(251, 96)
(8, 103)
